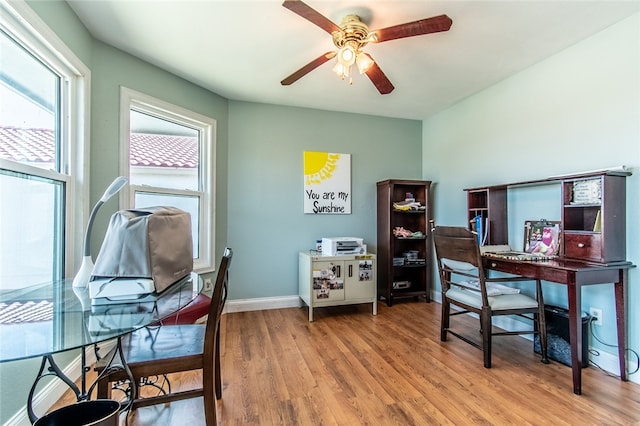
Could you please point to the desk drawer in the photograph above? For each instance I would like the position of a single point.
(583, 246)
(534, 270)
(526, 269)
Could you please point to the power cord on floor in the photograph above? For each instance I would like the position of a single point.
(594, 352)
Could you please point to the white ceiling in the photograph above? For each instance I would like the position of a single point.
(242, 49)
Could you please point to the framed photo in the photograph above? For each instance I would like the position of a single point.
(542, 237)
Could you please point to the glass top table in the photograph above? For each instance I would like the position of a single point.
(54, 317)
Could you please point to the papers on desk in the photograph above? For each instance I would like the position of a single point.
(518, 255)
(505, 252)
(498, 248)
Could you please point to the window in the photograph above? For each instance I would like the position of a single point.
(41, 134)
(168, 153)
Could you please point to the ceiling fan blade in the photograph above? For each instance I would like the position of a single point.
(378, 78)
(308, 68)
(311, 15)
(423, 26)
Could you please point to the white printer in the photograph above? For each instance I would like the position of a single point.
(337, 246)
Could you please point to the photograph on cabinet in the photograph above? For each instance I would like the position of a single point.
(326, 279)
(365, 272)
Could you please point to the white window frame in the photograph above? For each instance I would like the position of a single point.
(25, 26)
(129, 99)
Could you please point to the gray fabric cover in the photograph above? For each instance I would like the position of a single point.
(153, 242)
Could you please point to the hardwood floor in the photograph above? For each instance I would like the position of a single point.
(351, 368)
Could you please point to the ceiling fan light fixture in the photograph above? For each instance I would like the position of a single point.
(364, 62)
(352, 35)
(347, 55)
(341, 70)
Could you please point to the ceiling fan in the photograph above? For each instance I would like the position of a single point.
(351, 36)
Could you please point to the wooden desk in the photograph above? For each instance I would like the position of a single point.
(575, 274)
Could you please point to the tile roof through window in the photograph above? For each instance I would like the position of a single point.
(147, 150)
(28, 311)
(38, 146)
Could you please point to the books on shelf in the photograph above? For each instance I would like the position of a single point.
(597, 226)
(480, 226)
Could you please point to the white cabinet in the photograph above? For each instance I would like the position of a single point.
(336, 280)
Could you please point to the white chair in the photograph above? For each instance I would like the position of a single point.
(465, 285)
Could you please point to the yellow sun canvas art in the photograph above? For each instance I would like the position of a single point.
(319, 166)
(327, 183)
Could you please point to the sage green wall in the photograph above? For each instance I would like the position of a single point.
(64, 22)
(111, 69)
(267, 226)
(578, 110)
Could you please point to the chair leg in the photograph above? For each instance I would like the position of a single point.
(104, 388)
(444, 320)
(210, 415)
(485, 318)
(217, 366)
(209, 395)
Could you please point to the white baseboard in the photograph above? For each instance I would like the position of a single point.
(262, 303)
(46, 397)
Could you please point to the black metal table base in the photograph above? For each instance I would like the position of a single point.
(81, 393)
(52, 370)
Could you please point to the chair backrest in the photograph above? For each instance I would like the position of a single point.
(218, 298)
(457, 252)
(457, 243)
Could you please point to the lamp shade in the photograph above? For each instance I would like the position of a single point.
(114, 188)
(341, 70)
(347, 56)
(364, 62)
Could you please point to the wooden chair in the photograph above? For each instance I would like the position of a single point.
(465, 285)
(170, 349)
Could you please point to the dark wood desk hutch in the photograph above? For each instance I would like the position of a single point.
(593, 214)
(592, 250)
(404, 261)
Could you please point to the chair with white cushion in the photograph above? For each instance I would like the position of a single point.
(465, 285)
